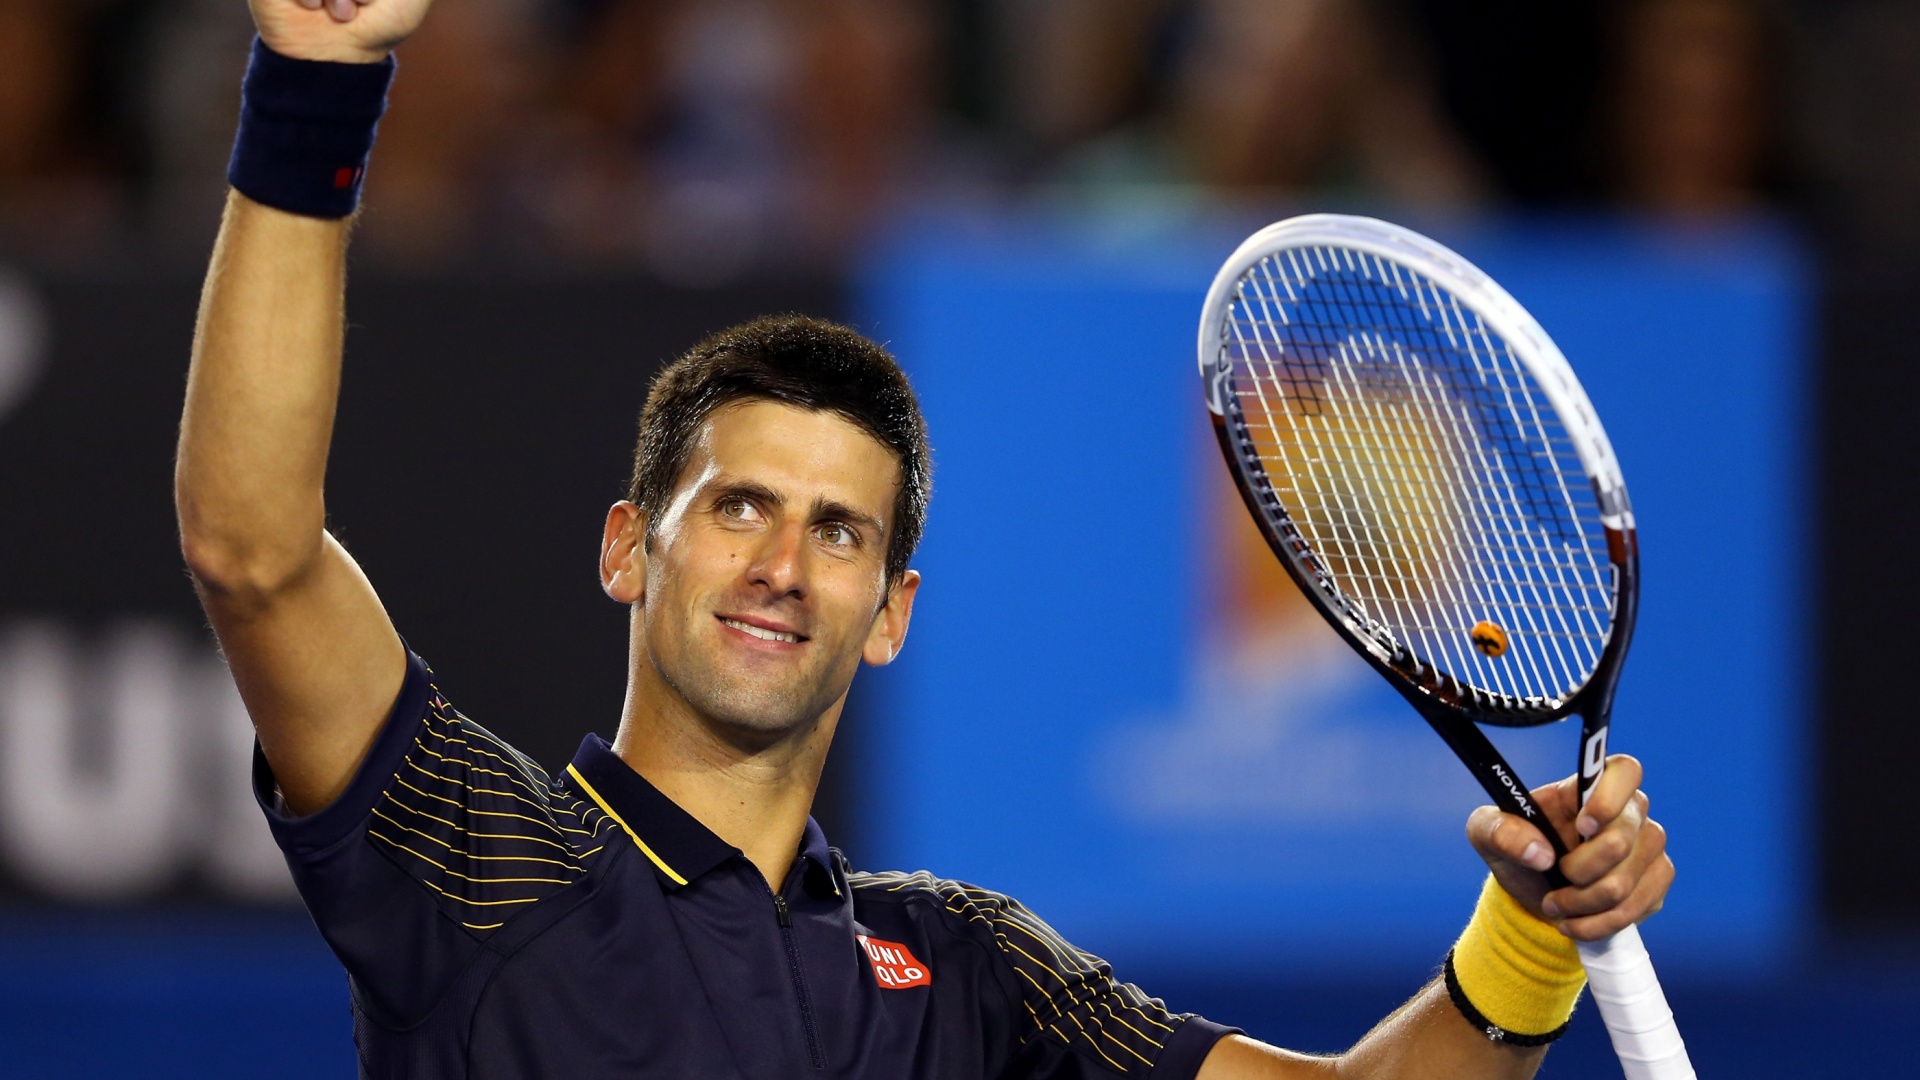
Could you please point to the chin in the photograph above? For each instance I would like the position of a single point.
(759, 710)
(760, 704)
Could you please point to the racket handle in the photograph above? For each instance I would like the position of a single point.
(1620, 974)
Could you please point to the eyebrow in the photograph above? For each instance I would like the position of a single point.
(830, 509)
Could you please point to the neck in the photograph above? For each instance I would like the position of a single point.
(755, 797)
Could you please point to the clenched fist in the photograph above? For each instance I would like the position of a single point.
(1617, 871)
(346, 31)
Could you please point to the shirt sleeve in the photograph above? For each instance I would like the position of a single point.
(1078, 1020)
(443, 836)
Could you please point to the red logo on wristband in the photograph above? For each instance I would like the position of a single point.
(894, 967)
(344, 178)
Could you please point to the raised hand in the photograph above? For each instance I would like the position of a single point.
(1617, 867)
(347, 31)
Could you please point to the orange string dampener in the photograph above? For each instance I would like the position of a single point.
(1488, 638)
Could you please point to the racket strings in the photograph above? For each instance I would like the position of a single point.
(1423, 468)
(1424, 452)
(1390, 594)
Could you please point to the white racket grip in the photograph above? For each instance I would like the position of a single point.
(1620, 975)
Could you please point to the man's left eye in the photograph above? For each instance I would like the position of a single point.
(836, 534)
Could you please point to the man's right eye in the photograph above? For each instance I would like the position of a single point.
(738, 509)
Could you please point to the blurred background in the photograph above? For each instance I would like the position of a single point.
(1714, 206)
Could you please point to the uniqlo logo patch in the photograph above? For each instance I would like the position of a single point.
(894, 967)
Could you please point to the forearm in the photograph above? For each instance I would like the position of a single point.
(309, 645)
(1517, 977)
(1426, 1038)
(261, 392)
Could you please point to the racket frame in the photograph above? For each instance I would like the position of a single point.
(1620, 974)
(1451, 707)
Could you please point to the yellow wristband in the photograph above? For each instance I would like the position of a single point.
(1517, 970)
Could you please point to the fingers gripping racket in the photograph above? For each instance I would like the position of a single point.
(1426, 466)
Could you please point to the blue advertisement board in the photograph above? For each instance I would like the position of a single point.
(1114, 706)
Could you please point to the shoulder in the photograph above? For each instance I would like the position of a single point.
(456, 761)
(920, 887)
(896, 885)
(483, 826)
(992, 917)
(1068, 996)
(449, 737)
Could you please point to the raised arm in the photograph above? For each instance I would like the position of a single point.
(314, 655)
(1516, 964)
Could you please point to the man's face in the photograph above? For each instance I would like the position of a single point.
(766, 584)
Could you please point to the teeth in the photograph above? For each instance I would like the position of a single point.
(763, 634)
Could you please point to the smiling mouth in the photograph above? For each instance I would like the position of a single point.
(762, 632)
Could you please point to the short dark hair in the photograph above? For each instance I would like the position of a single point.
(795, 360)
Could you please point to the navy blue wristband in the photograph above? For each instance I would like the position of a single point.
(306, 128)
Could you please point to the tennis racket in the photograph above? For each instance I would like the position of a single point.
(1426, 466)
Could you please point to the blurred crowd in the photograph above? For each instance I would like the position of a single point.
(708, 138)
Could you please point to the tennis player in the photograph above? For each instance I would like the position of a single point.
(664, 906)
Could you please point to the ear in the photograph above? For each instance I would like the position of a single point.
(623, 553)
(889, 630)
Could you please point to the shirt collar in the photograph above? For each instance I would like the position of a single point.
(817, 859)
(679, 846)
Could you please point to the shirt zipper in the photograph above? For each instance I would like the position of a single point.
(785, 919)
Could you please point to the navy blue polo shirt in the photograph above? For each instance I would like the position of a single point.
(497, 922)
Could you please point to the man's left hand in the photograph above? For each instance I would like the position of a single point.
(1617, 866)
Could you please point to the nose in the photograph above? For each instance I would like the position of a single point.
(780, 562)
